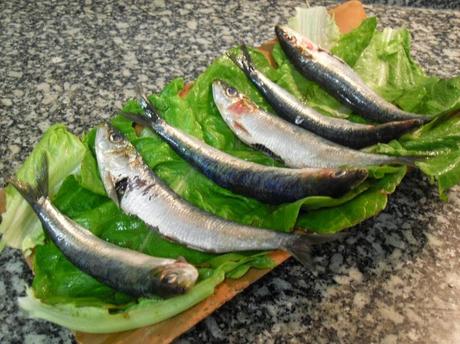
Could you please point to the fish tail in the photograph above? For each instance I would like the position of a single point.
(137, 118)
(244, 61)
(300, 246)
(149, 114)
(149, 110)
(409, 160)
(246, 58)
(32, 193)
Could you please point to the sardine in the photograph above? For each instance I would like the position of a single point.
(122, 269)
(339, 79)
(269, 184)
(138, 191)
(341, 131)
(295, 146)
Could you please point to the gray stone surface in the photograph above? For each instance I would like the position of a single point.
(439, 4)
(396, 279)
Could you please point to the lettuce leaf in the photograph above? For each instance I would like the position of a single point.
(316, 24)
(384, 62)
(58, 281)
(20, 228)
(351, 45)
(358, 209)
(63, 294)
(387, 66)
(103, 320)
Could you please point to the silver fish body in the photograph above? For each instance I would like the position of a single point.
(269, 184)
(339, 79)
(341, 131)
(295, 146)
(124, 270)
(138, 191)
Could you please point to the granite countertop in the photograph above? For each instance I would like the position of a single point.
(396, 279)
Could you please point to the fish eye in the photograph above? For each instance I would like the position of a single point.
(340, 173)
(115, 137)
(170, 278)
(231, 92)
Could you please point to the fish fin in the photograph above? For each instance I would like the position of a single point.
(244, 61)
(181, 259)
(246, 58)
(331, 54)
(32, 193)
(409, 160)
(328, 52)
(137, 118)
(300, 249)
(266, 150)
(300, 246)
(149, 110)
(139, 90)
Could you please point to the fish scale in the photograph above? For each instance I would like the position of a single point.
(339, 79)
(344, 132)
(297, 147)
(274, 185)
(173, 217)
(123, 269)
(150, 199)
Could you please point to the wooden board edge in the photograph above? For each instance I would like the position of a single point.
(167, 330)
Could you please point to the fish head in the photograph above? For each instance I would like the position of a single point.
(233, 106)
(291, 39)
(116, 158)
(176, 277)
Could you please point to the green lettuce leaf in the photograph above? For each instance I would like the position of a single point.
(351, 45)
(104, 320)
(384, 62)
(365, 205)
(20, 228)
(65, 295)
(387, 66)
(59, 281)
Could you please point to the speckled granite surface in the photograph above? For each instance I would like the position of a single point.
(440, 4)
(396, 280)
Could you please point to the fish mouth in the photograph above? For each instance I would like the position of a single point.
(221, 98)
(294, 38)
(353, 176)
(232, 106)
(111, 148)
(179, 276)
(286, 34)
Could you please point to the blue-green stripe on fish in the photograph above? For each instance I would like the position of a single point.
(268, 184)
(341, 131)
(122, 269)
(339, 79)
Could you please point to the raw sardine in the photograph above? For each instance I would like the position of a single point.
(339, 79)
(124, 270)
(138, 191)
(266, 183)
(293, 145)
(341, 131)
